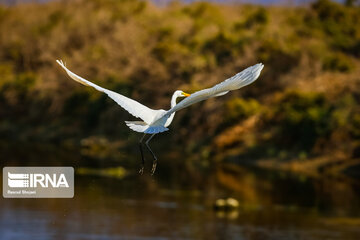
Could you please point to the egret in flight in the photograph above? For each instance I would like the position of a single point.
(157, 121)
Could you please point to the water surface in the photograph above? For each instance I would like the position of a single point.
(170, 206)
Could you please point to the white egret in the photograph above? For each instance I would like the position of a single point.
(157, 121)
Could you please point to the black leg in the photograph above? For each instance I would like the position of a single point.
(154, 157)
(141, 171)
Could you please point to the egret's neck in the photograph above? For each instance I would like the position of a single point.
(173, 103)
(173, 100)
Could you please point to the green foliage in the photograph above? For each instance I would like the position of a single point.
(19, 86)
(355, 125)
(146, 52)
(297, 121)
(6, 73)
(302, 118)
(53, 19)
(259, 17)
(342, 111)
(270, 52)
(223, 47)
(237, 109)
(204, 13)
(338, 62)
(123, 10)
(340, 23)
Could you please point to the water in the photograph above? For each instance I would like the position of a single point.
(178, 205)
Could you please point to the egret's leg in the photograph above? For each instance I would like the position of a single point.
(141, 171)
(155, 158)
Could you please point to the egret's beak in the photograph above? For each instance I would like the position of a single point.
(185, 94)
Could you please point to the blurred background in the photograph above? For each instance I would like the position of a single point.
(286, 147)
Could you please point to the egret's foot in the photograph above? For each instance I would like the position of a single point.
(141, 170)
(153, 167)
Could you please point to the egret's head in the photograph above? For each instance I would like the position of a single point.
(180, 93)
(184, 94)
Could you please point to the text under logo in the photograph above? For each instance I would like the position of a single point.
(38, 182)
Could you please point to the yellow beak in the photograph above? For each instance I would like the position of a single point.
(185, 94)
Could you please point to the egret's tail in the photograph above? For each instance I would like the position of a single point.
(139, 126)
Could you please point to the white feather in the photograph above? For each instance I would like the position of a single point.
(156, 121)
(133, 107)
(237, 81)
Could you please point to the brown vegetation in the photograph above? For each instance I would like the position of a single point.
(304, 105)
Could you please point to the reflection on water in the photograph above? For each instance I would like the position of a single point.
(272, 206)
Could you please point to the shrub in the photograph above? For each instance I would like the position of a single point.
(223, 46)
(340, 23)
(260, 17)
(238, 109)
(338, 63)
(302, 118)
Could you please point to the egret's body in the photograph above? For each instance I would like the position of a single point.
(157, 121)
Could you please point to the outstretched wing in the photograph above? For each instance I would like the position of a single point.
(133, 107)
(237, 81)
